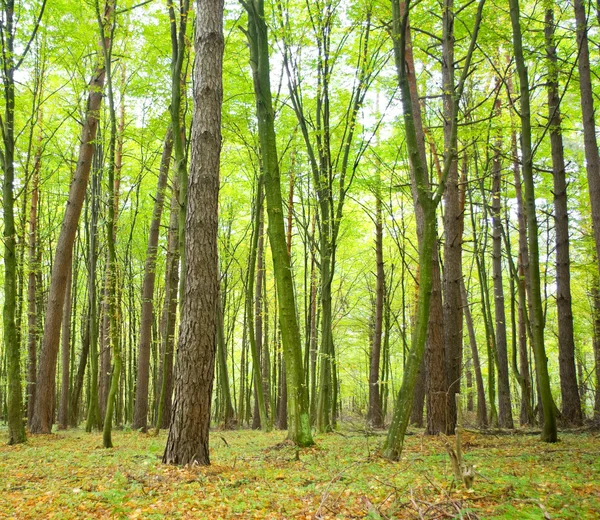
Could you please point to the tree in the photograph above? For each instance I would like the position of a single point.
(428, 201)
(549, 433)
(571, 404)
(10, 65)
(141, 401)
(188, 434)
(297, 392)
(42, 419)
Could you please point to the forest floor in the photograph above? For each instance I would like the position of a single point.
(255, 475)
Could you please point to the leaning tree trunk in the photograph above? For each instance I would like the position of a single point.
(42, 419)
(188, 435)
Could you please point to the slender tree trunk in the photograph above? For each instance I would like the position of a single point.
(453, 228)
(80, 375)
(482, 421)
(571, 404)
(505, 419)
(188, 434)
(254, 302)
(63, 409)
(549, 433)
(42, 419)
(140, 415)
(170, 312)
(375, 415)
(32, 315)
(297, 395)
(592, 157)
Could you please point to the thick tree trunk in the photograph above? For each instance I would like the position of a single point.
(42, 419)
(140, 415)
(596, 318)
(188, 435)
(571, 404)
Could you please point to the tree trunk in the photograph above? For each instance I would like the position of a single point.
(549, 433)
(505, 419)
(297, 395)
(32, 314)
(482, 421)
(592, 158)
(374, 415)
(188, 434)
(453, 229)
(571, 404)
(140, 416)
(169, 317)
(42, 418)
(80, 375)
(63, 409)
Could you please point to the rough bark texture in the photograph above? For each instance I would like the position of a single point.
(435, 371)
(140, 415)
(571, 404)
(42, 419)
(188, 435)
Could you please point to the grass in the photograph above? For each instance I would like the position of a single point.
(255, 475)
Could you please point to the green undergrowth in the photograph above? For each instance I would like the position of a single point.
(256, 475)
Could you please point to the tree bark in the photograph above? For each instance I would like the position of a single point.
(453, 229)
(188, 434)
